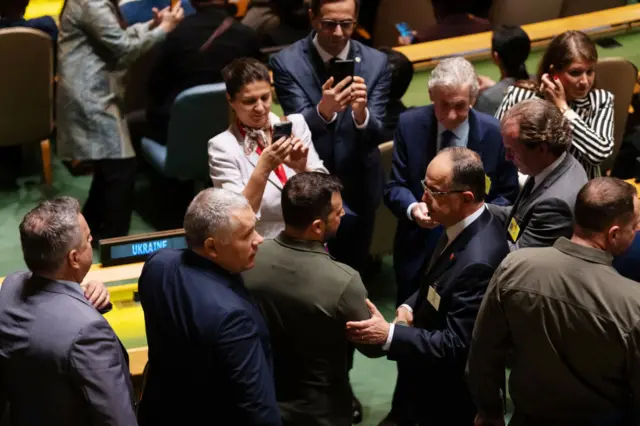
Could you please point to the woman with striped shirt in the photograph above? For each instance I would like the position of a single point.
(565, 78)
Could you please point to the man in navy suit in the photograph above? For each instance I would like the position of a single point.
(346, 117)
(421, 133)
(431, 334)
(209, 353)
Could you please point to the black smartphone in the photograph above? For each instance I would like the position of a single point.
(341, 69)
(282, 130)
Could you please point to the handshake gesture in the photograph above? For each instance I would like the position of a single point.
(337, 99)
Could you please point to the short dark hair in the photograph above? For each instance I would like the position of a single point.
(48, 233)
(512, 44)
(307, 197)
(401, 72)
(468, 171)
(243, 71)
(603, 202)
(316, 5)
(541, 122)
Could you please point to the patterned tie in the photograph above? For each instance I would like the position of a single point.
(524, 193)
(447, 139)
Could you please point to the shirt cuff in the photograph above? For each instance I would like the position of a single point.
(366, 120)
(333, 117)
(409, 210)
(407, 307)
(387, 345)
(570, 114)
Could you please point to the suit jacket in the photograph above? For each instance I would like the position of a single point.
(60, 361)
(414, 148)
(434, 351)
(627, 263)
(209, 352)
(180, 65)
(231, 168)
(490, 99)
(547, 213)
(306, 298)
(347, 152)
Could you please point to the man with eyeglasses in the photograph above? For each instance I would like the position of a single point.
(345, 117)
(431, 333)
(536, 137)
(421, 133)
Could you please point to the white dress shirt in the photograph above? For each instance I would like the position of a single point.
(452, 233)
(326, 57)
(461, 134)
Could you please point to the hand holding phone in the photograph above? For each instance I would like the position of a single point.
(282, 130)
(341, 69)
(406, 33)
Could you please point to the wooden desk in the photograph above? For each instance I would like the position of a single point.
(477, 45)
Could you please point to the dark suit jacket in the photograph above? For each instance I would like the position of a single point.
(209, 351)
(547, 213)
(180, 65)
(307, 298)
(414, 148)
(628, 264)
(347, 152)
(432, 354)
(61, 364)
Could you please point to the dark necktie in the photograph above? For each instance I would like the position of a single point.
(442, 244)
(446, 139)
(524, 193)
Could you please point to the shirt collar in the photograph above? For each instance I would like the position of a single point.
(326, 56)
(540, 177)
(455, 230)
(588, 254)
(459, 132)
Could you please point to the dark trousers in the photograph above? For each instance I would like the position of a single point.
(110, 204)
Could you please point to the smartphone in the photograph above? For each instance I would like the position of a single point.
(405, 30)
(282, 130)
(174, 4)
(341, 69)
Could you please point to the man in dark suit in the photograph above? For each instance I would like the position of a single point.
(307, 298)
(346, 118)
(431, 334)
(193, 54)
(536, 137)
(61, 364)
(421, 133)
(209, 351)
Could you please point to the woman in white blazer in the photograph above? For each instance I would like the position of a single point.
(245, 159)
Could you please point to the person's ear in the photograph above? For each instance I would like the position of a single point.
(73, 258)
(468, 197)
(318, 227)
(613, 234)
(210, 248)
(496, 58)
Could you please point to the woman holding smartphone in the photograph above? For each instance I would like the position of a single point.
(565, 78)
(259, 152)
(95, 47)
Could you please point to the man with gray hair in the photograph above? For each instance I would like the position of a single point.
(61, 364)
(536, 137)
(209, 354)
(421, 134)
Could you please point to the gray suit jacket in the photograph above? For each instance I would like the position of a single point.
(547, 213)
(61, 364)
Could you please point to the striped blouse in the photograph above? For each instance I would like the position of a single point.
(591, 119)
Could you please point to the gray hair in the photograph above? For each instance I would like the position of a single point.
(211, 214)
(48, 233)
(541, 122)
(455, 73)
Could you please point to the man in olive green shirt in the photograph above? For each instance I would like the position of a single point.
(306, 298)
(572, 322)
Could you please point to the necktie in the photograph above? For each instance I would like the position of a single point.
(447, 139)
(442, 244)
(524, 193)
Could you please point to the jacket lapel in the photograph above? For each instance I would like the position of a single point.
(539, 189)
(474, 142)
(431, 143)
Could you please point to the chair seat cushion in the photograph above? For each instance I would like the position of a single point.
(155, 154)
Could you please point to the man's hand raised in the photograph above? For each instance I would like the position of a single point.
(334, 99)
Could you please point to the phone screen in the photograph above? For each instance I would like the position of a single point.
(404, 29)
(342, 69)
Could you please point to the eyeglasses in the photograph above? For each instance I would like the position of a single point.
(433, 193)
(329, 25)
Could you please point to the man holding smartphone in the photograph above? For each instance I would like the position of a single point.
(341, 88)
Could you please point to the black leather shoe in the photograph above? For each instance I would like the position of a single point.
(356, 408)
